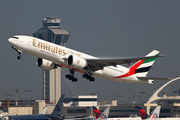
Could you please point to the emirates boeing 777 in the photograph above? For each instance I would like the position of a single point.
(50, 56)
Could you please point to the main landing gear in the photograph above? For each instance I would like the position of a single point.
(71, 76)
(89, 77)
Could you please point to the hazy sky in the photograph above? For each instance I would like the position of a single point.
(114, 28)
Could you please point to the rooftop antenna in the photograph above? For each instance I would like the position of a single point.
(55, 15)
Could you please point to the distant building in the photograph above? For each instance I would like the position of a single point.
(87, 100)
(13, 103)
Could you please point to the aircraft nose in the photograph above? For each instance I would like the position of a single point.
(11, 41)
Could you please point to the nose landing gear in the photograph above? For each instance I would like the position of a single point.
(19, 52)
(19, 57)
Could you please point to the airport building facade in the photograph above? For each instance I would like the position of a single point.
(169, 108)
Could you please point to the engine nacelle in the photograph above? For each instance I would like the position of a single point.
(45, 64)
(77, 62)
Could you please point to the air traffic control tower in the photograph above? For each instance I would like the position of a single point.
(52, 32)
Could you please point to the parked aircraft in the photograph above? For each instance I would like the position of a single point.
(56, 114)
(154, 115)
(103, 116)
(51, 56)
(98, 114)
(144, 116)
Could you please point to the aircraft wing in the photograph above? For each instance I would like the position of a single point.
(99, 64)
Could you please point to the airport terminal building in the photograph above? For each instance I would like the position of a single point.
(82, 105)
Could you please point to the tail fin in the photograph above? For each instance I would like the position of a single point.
(58, 108)
(142, 67)
(142, 113)
(105, 114)
(44, 111)
(155, 113)
(96, 112)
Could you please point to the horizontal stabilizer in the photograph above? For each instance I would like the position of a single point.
(153, 78)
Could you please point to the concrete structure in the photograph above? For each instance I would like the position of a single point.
(38, 106)
(114, 103)
(52, 32)
(21, 110)
(155, 98)
(122, 110)
(52, 85)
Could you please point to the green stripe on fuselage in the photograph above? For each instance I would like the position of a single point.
(150, 60)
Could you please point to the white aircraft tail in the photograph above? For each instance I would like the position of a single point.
(44, 111)
(155, 113)
(56, 114)
(58, 108)
(105, 114)
(142, 67)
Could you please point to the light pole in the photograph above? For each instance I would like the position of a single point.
(8, 99)
(28, 91)
(17, 101)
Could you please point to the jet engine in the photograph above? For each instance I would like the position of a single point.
(77, 62)
(45, 64)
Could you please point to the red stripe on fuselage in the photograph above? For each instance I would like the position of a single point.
(132, 70)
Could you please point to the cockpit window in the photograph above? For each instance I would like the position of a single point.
(15, 37)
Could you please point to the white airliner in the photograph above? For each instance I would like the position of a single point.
(51, 55)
